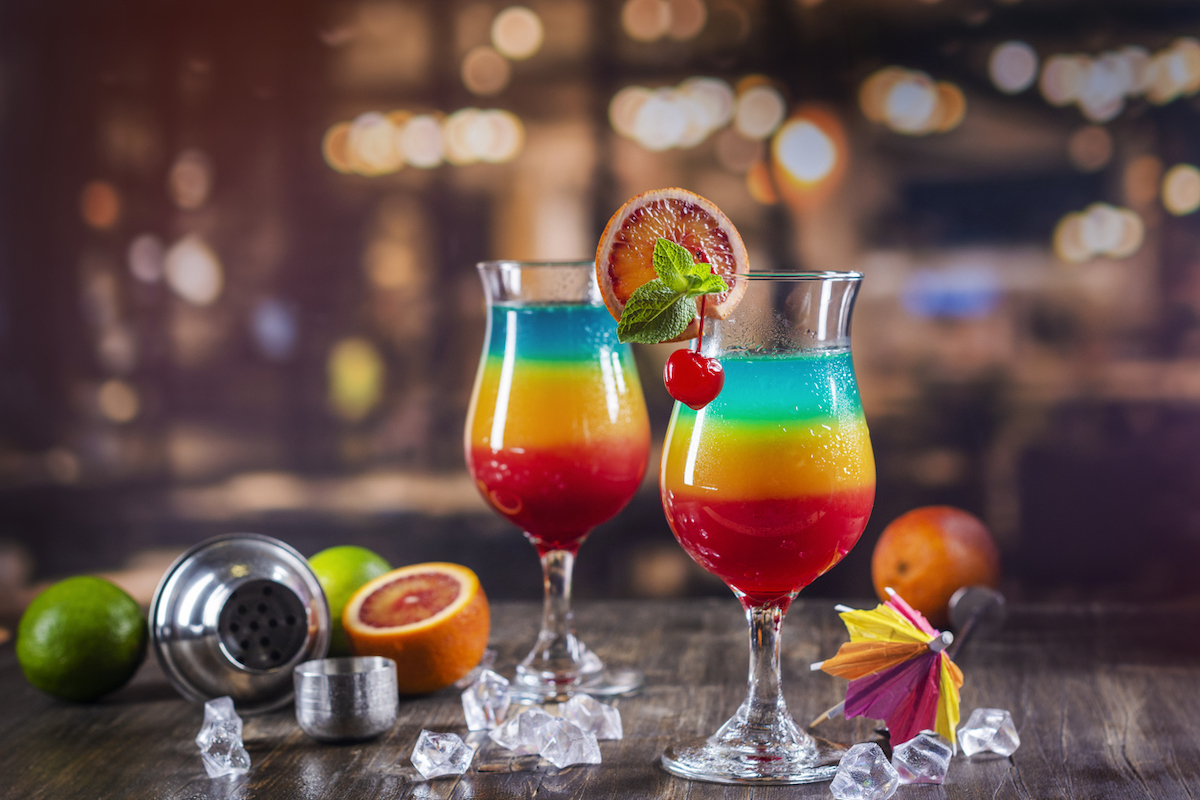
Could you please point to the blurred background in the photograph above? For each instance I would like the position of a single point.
(237, 247)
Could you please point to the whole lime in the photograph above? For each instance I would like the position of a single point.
(341, 570)
(81, 638)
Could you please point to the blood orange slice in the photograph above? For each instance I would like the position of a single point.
(625, 256)
(432, 619)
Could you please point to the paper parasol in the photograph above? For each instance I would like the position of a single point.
(898, 670)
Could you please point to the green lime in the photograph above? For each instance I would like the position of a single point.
(81, 638)
(341, 571)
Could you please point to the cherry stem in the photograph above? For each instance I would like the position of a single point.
(700, 335)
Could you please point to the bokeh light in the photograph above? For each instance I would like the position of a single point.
(660, 122)
(715, 96)
(193, 271)
(372, 145)
(1099, 230)
(760, 185)
(1062, 78)
(275, 326)
(623, 109)
(873, 93)
(517, 33)
(759, 111)
(646, 20)
(687, 19)
(910, 102)
(1013, 67)
(356, 374)
(100, 205)
(1090, 148)
(497, 136)
(804, 151)
(190, 180)
(962, 291)
(1101, 85)
(1068, 239)
(335, 147)
(808, 156)
(118, 401)
(145, 258)
(1181, 189)
(484, 71)
(1141, 179)
(951, 107)
(735, 152)
(682, 116)
(421, 141)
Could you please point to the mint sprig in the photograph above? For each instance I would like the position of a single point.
(661, 309)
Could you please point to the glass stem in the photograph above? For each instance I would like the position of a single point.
(764, 708)
(557, 638)
(763, 725)
(558, 658)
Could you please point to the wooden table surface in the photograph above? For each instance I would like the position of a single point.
(1107, 701)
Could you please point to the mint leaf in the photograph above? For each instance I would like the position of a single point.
(672, 263)
(709, 284)
(655, 313)
(663, 308)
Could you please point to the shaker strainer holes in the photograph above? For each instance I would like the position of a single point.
(259, 626)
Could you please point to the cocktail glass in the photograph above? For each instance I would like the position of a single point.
(557, 440)
(768, 487)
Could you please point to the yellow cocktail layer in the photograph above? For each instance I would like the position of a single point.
(767, 460)
(554, 404)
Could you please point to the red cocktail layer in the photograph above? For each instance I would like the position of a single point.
(557, 496)
(768, 548)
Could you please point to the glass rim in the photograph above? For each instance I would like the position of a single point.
(823, 275)
(512, 263)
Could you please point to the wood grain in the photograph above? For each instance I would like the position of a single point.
(1107, 701)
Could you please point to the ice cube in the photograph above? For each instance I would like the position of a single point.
(438, 754)
(864, 774)
(525, 733)
(487, 662)
(989, 730)
(567, 743)
(593, 716)
(923, 759)
(486, 701)
(220, 740)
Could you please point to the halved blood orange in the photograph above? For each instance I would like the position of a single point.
(625, 256)
(432, 619)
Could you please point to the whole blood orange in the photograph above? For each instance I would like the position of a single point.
(929, 553)
(625, 255)
(432, 619)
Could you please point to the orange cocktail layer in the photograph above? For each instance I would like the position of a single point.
(772, 483)
(558, 436)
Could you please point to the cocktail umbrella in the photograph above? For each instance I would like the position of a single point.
(898, 670)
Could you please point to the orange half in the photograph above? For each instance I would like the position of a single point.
(432, 619)
(625, 256)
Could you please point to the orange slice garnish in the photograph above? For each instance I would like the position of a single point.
(625, 256)
(432, 619)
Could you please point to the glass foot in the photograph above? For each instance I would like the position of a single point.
(590, 677)
(809, 760)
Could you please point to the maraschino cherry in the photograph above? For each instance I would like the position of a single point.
(691, 378)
